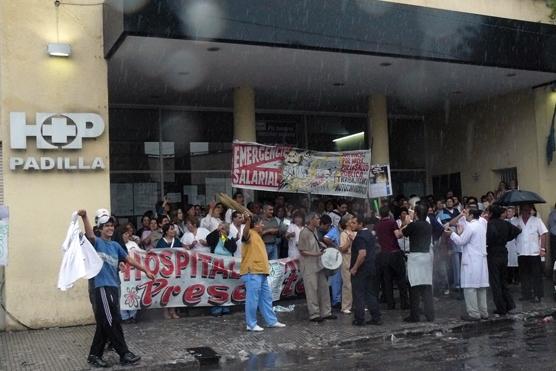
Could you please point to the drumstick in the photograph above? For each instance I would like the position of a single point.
(233, 204)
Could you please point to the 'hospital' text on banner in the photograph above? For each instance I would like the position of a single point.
(187, 278)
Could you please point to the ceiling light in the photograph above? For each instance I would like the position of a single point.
(386, 64)
(59, 50)
(338, 84)
(351, 136)
(213, 49)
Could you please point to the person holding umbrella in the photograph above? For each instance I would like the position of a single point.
(531, 246)
(499, 233)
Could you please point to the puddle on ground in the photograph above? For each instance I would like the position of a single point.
(507, 346)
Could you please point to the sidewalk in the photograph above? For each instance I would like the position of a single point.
(162, 343)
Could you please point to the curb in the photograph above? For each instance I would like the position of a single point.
(180, 364)
(454, 328)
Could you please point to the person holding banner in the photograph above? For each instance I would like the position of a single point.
(106, 290)
(254, 271)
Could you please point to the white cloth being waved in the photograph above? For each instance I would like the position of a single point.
(188, 239)
(474, 266)
(210, 223)
(235, 233)
(527, 242)
(80, 258)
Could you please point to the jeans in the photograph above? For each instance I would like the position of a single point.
(364, 286)
(272, 251)
(128, 314)
(218, 310)
(258, 295)
(456, 269)
(335, 282)
(440, 269)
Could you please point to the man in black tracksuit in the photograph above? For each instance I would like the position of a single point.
(499, 232)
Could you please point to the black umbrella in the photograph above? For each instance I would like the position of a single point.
(517, 197)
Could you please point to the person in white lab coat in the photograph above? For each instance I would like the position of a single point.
(474, 265)
(531, 247)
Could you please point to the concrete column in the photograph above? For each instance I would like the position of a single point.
(244, 114)
(378, 129)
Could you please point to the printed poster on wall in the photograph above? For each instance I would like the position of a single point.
(190, 278)
(380, 181)
(288, 169)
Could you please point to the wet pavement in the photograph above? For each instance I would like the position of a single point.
(514, 342)
(503, 346)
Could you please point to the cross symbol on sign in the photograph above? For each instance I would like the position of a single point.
(59, 130)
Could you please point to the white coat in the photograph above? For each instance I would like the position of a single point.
(474, 266)
(528, 241)
(80, 258)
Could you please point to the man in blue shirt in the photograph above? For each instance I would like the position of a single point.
(106, 290)
(331, 238)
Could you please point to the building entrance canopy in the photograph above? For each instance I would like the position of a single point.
(318, 55)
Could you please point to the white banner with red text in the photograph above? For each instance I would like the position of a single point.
(288, 169)
(186, 278)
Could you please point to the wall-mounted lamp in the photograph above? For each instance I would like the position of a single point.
(59, 50)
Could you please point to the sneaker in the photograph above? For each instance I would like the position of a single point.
(358, 323)
(257, 328)
(97, 361)
(347, 311)
(278, 325)
(316, 319)
(330, 317)
(129, 359)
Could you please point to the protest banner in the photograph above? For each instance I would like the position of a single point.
(194, 279)
(257, 166)
(343, 174)
(288, 169)
(380, 181)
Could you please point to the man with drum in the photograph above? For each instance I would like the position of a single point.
(314, 276)
(331, 238)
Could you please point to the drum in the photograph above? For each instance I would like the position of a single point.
(331, 259)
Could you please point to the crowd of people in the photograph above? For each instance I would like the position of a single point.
(424, 247)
